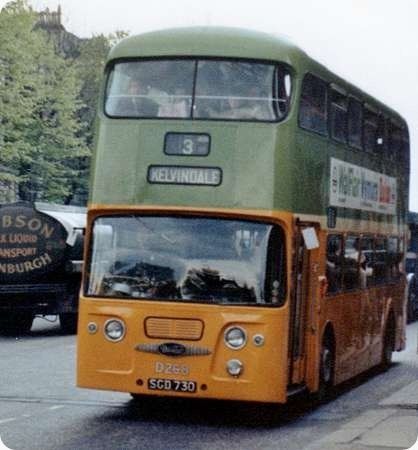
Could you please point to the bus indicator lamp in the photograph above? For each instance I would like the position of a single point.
(235, 338)
(114, 330)
(234, 367)
(258, 340)
(92, 327)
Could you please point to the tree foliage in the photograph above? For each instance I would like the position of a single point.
(90, 64)
(48, 103)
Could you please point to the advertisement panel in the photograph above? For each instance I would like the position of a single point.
(355, 187)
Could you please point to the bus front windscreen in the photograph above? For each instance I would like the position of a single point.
(186, 259)
(198, 89)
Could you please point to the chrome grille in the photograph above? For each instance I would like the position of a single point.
(173, 328)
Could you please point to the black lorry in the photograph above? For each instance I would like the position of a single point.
(41, 252)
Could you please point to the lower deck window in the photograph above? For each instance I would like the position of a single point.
(362, 261)
(187, 259)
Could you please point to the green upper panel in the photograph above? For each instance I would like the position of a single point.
(264, 163)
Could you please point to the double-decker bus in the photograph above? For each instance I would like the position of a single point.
(246, 223)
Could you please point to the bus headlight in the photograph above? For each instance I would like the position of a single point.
(234, 367)
(235, 338)
(114, 330)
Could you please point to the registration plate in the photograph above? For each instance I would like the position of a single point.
(163, 384)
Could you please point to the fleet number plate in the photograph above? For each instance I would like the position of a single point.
(161, 384)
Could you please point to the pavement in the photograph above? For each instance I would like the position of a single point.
(392, 424)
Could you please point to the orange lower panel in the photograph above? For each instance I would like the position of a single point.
(130, 364)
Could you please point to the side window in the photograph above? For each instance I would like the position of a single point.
(351, 276)
(405, 147)
(338, 116)
(381, 262)
(401, 265)
(334, 262)
(395, 142)
(367, 262)
(382, 137)
(282, 90)
(355, 123)
(394, 258)
(313, 105)
(371, 124)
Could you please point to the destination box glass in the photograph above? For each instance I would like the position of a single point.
(201, 176)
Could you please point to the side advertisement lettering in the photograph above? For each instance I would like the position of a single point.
(355, 187)
(31, 243)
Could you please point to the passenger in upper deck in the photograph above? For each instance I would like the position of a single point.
(135, 102)
(233, 90)
(251, 105)
(175, 105)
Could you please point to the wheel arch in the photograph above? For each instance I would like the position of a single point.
(328, 333)
(329, 336)
(390, 325)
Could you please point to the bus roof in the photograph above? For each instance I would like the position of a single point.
(234, 43)
(206, 41)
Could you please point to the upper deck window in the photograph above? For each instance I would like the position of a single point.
(198, 89)
(150, 89)
(382, 139)
(338, 116)
(395, 143)
(313, 105)
(355, 123)
(371, 125)
(405, 147)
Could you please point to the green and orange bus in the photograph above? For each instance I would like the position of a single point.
(246, 222)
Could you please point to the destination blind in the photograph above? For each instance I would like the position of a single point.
(204, 176)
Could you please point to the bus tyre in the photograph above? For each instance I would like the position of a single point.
(68, 323)
(326, 370)
(16, 323)
(388, 344)
(143, 401)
